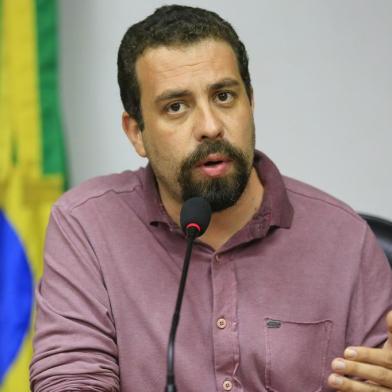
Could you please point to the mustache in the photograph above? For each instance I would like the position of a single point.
(211, 147)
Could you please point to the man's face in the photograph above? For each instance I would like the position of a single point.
(199, 129)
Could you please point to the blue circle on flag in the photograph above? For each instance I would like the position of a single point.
(16, 295)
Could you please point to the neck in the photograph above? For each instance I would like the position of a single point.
(226, 223)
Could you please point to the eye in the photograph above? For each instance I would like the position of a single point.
(224, 97)
(175, 107)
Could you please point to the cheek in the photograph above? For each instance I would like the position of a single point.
(166, 151)
(241, 129)
(176, 142)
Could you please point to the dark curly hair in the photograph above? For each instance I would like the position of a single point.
(171, 25)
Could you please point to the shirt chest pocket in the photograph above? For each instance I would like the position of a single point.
(296, 354)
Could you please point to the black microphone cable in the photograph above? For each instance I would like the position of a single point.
(195, 217)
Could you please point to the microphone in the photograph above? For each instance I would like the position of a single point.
(195, 214)
(194, 218)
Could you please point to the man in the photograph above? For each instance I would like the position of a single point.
(282, 282)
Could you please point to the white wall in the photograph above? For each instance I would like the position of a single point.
(321, 72)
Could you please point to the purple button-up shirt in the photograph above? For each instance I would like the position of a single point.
(267, 312)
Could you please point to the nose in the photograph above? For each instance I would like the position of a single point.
(208, 125)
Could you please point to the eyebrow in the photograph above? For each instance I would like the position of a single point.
(227, 82)
(181, 93)
(172, 94)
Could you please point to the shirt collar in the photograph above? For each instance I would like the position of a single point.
(156, 212)
(275, 199)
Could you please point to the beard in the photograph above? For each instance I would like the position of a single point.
(221, 192)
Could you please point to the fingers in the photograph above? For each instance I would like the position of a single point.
(361, 363)
(365, 371)
(372, 364)
(373, 356)
(343, 384)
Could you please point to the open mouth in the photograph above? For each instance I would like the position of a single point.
(214, 165)
(213, 159)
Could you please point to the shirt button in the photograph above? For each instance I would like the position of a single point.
(227, 385)
(221, 324)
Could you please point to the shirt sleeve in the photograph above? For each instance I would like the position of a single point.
(75, 341)
(371, 298)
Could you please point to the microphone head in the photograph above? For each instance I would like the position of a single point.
(195, 212)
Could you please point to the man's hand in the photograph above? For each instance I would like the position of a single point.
(362, 363)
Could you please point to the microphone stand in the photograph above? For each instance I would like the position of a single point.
(192, 233)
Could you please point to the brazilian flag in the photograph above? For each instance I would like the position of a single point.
(31, 171)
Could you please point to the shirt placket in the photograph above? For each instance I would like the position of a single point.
(225, 323)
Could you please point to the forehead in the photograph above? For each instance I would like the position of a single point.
(189, 66)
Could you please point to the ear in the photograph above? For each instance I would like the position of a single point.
(134, 134)
(252, 100)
